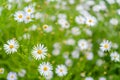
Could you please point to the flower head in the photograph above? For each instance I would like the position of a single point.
(39, 51)
(11, 46)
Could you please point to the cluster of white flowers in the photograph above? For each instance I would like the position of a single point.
(24, 16)
(71, 38)
(106, 46)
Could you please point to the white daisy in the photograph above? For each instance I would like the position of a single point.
(39, 51)
(11, 46)
(19, 16)
(61, 70)
(29, 9)
(91, 21)
(115, 56)
(22, 73)
(89, 55)
(1, 70)
(28, 18)
(102, 78)
(75, 31)
(75, 54)
(49, 76)
(114, 21)
(45, 68)
(83, 44)
(89, 78)
(105, 45)
(68, 62)
(33, 28)
(56, 52)
(12, 76)
(80, 19)
(48, 29)
(26, 36)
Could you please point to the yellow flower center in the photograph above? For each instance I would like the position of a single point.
(82, 44)
(29, 10)
(45, 26)
(20, 16)
(61, 70)
(106, 46)
(90, 21)
(12, 76)
(11, 46)
(1, 70)
(39, 51)
(45, 68)
(28, 17)
(115, 56)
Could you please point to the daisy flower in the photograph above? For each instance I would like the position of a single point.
(45, 68)
(91, 21)
(22, 73)
(29, 9)
(12, 76)
(39, 51)
(89, 78)
(83, 44)
(89, 55)
(80, 19)
(28, 18)
(11, 46)
(115, 56)
(19, 16)
(49, 76)
(105, 45)
(61, 70)
(75, 31)
(1, 70)
(45, 26)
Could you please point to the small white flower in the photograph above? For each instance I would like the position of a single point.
(33, 28)
(12, 76)
(49, 76)
(26, 36)
(1, 70)
(56, 52)
(99, 62)
(39, 51)
(83, 44)
(75, 54)
(68, 62)
(111, 1)
(102, 78)
(100, 53)
(29, 9)
(118, 11)
(22, 73)
(89, 78)
(27, 1)
(89, 55)
(11, 46)
(105, 45)
(61, 70)
(75, 31)
(80, 19)
(48, 29)
(114, 21)
(115, 56)
(91, 21)
(45, 68)
(28, 18)
(70, 41)
(57, 45)
(19, 16)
